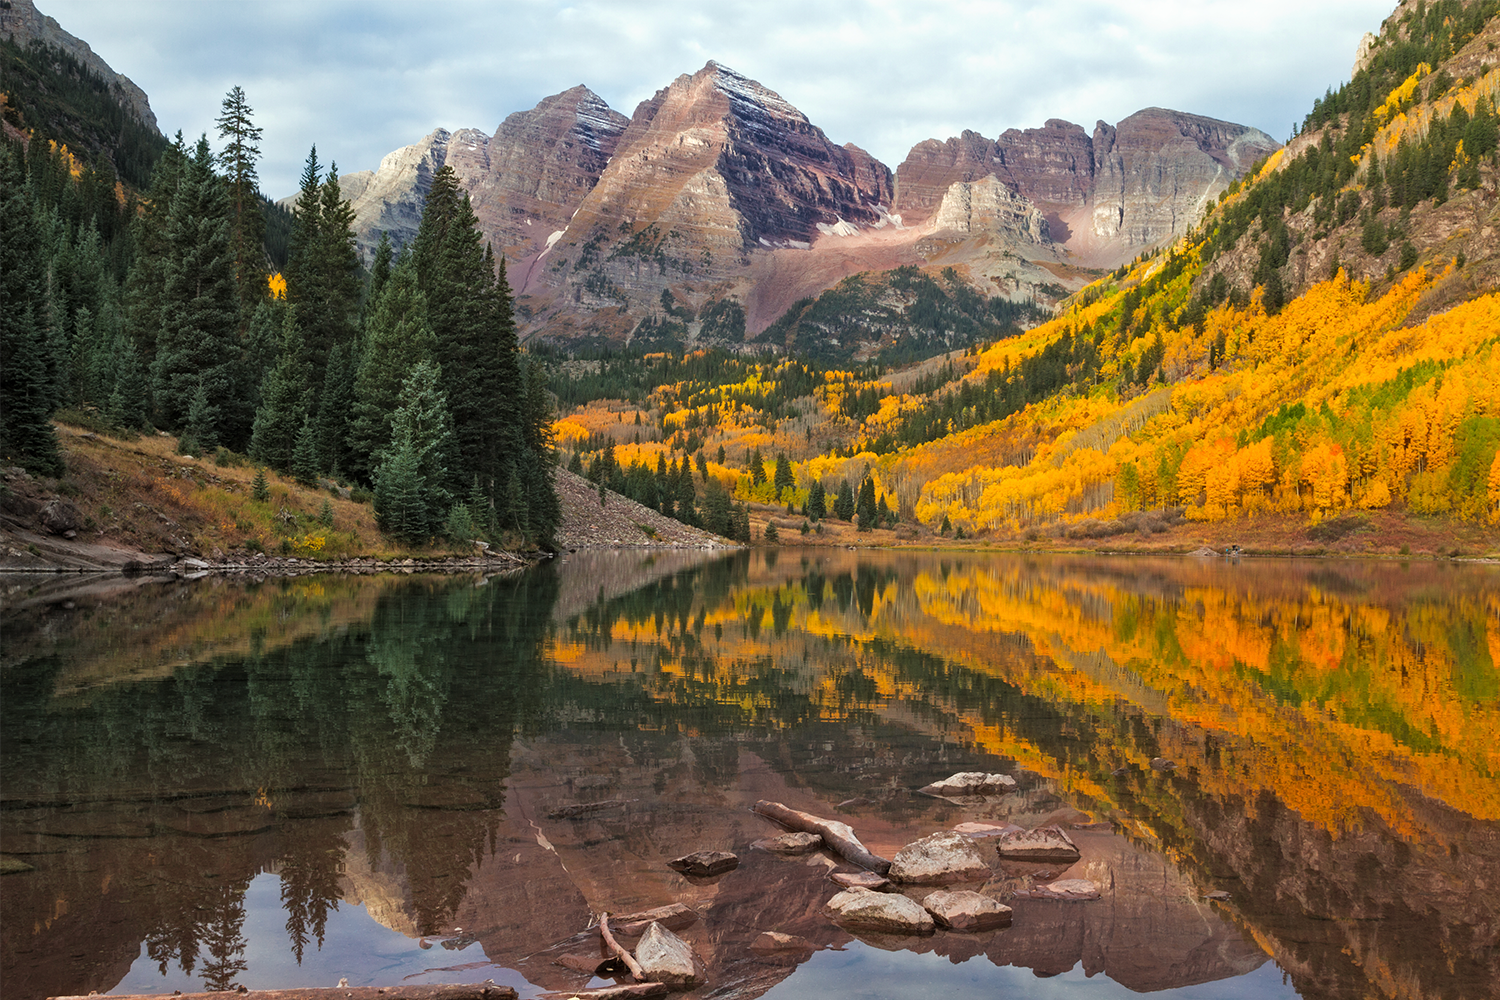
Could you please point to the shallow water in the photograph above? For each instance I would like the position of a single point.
(285, 783)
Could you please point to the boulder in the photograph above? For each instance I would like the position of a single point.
(1162, 764)
(888, 913)
(861, 880)
(972, 783)
(940, 859)
(791, 843)
(59, 516)
(1048, 843)
(963, 910)
(1068, 889)
(705, 863)
(674, 917)
(666, 958)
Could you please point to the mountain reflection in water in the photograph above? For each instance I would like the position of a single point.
(484, 764)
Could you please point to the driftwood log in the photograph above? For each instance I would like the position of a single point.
(614, 946)
(481, 991)
(838, 836)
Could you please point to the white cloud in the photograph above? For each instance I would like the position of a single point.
(361, 79)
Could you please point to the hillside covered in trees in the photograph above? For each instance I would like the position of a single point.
(1321, 346)
(128, 309)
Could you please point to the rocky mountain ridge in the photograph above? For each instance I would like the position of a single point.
(717, 188)
(21, 22)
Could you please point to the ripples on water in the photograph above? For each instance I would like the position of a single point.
(285, 783)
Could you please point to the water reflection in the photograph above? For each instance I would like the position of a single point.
(510, 756)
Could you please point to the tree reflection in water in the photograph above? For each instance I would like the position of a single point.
(1335, 730)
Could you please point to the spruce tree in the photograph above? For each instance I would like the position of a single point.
(865, 509)
(783, 478)
(411, 491)
(843, 503)
(198, 338)
(247, 226)
(26, 434)
(285, 395)
(817, 501)
(305, 453)
(397, 338)
(302, 244)
(129, 399)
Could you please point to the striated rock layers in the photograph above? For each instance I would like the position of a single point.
(718, 188)
(709, 168)
(1104, 196)
(524, 182)
(23, 23)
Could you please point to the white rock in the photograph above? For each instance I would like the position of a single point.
(1048, 843)
(940, 859)
(666, 958)
(861, 909)
(963, 910)
(972, 783)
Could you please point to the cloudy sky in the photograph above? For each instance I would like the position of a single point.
(361, 79)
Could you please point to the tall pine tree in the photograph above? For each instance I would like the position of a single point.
(247, 225)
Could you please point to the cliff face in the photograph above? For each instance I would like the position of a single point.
(716, 187)
(710, 168)
(524, 182)
(1104, 196)
(23, 23)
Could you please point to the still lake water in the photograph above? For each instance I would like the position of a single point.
(440, 779)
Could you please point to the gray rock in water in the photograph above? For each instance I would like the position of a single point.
(972, 783)
(1162, 764)
(889, 913)
(791, 843)
(1048, 843)
(666, 958)
(978, 830)
(963, 910)
(940, 859)
(705, 863)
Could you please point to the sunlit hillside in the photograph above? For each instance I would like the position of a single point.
(1322, 346)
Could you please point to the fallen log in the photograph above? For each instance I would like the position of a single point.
(838, 836)
(481, 991)
(629, 991)
(614, 946)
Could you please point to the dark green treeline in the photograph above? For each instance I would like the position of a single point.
(405, 378)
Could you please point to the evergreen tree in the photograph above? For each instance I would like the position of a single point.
(197, 338)
(200, 435)
(247, 225)
(284, 399)
(305, 453)
(411, 492)
(26, 434)
(146, 281)
(333, 409)
(397, 338)
(302, 244)
(865, 507)
(260, 490)
(817, 501)
(380, 268)
(130, 398)
(843, 503)
(783, 478)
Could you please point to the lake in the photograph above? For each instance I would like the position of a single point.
(423, 779)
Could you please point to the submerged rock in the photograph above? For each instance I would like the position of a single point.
(972, 783)
(940, 859)
(861, 880)
(964, 910)
(705, 863)
(1069, 889)
(791, 843)
(769, 941)
(1048, 843)
(978, 831)
(666, 958)
(889, 913)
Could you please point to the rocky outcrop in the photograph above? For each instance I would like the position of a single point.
(1123, 188)
(965, 910)
(23, 23)
(524, 182)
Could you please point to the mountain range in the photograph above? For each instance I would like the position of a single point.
(717, 188)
